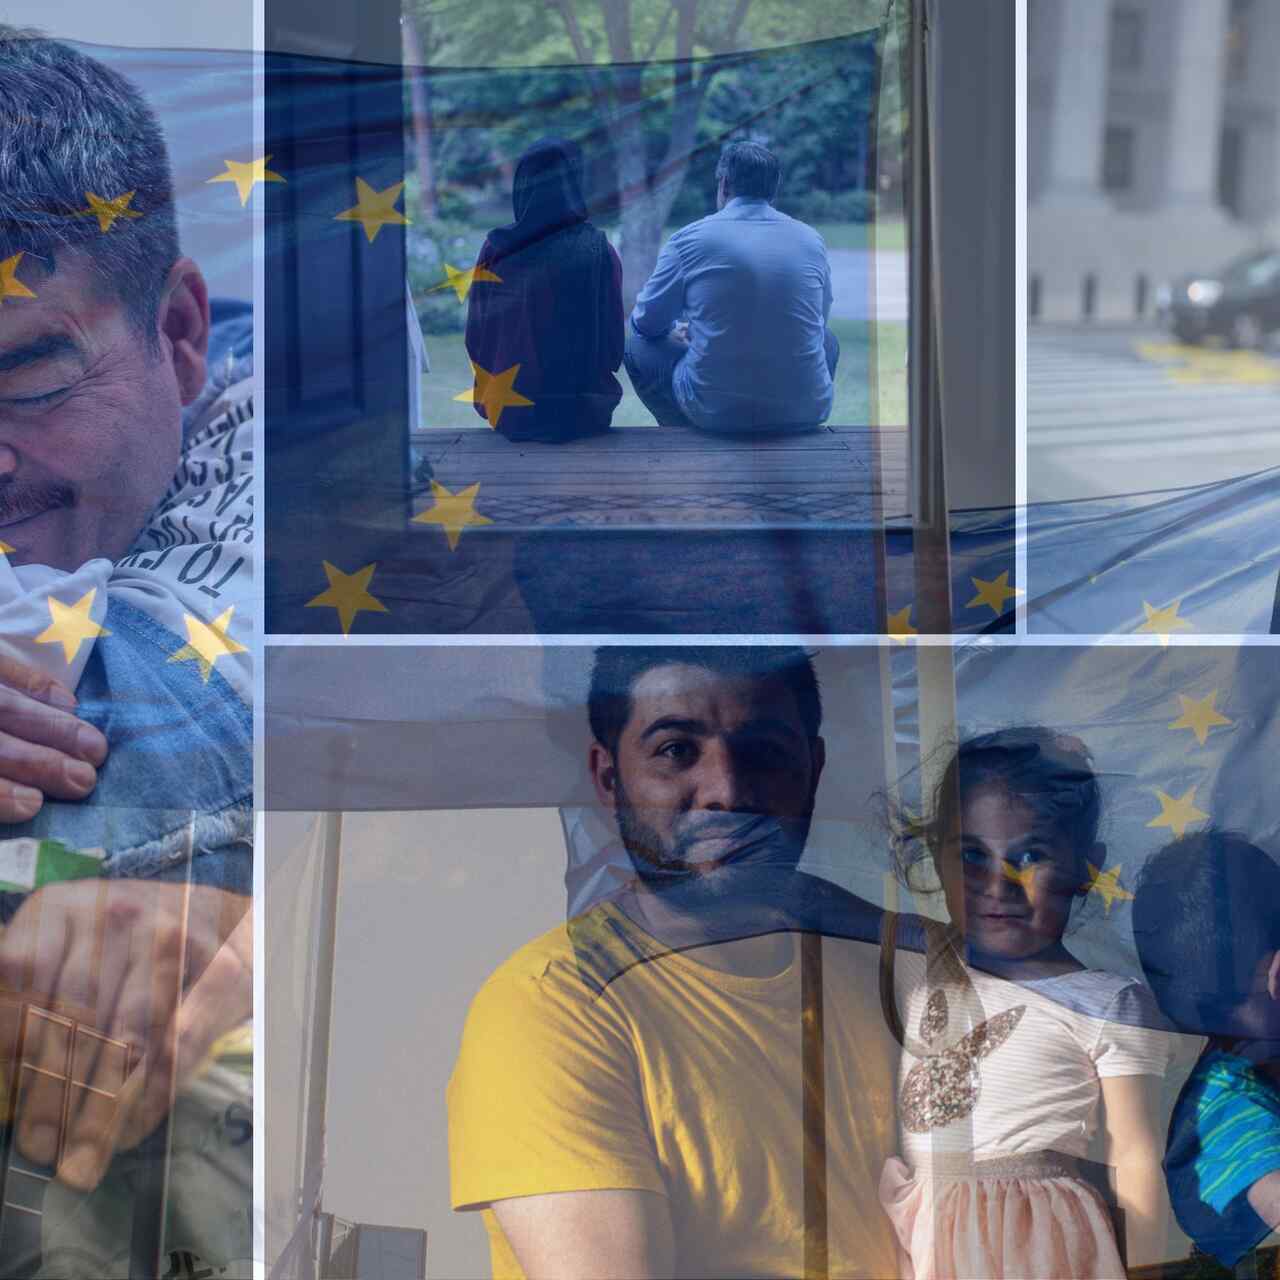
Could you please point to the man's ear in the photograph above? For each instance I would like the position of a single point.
(604, 775)
(1273, 977)
(184, 325)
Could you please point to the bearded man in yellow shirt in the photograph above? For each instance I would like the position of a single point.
(630, 1095)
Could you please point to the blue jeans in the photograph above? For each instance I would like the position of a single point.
(651, 365)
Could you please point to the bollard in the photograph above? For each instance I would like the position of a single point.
(1034, 286)
(1089, 301)
(1141, 289)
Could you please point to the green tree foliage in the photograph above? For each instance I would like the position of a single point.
(632, 80)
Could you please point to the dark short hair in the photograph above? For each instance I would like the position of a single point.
(751, 170)
(618, 667)
(1051, 773)
(1204, 914)
(70, 125)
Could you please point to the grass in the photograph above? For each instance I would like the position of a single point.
(451, 373)
(890, 234)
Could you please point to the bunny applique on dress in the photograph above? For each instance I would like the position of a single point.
(998, 1098)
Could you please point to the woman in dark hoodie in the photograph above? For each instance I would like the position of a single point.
(555, 309)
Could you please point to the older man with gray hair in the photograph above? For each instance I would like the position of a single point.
(126, 466)
(729, 333)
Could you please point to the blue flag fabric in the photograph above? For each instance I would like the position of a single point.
(1182, 738)
(1203, 560)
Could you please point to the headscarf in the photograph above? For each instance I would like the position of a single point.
(546, 195)
(557, 310)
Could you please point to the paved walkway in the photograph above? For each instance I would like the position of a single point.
(1111, 412)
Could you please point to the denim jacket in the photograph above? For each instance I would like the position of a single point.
(175, 795)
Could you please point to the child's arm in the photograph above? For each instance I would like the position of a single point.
(1264, 1198)
(1135, 1150)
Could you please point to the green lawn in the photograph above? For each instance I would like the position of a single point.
(890, 233)
(451, 373)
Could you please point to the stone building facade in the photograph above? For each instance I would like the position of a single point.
(1153, 146)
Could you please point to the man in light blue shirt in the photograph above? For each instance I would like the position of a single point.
(729, 333)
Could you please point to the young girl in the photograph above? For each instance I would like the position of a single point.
(1013, 1051)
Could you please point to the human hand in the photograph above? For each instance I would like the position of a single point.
(680, 332)
(163, 968)
(45, 750)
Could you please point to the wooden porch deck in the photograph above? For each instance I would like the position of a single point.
(655, 477)
(648, 531)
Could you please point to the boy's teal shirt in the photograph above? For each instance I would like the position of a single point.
(1224, 1136)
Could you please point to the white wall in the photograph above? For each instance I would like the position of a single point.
(151, 24)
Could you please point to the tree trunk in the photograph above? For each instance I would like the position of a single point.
(416, 65)
(642, 219)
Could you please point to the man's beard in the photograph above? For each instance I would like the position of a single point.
(19, 501)
(733, 847)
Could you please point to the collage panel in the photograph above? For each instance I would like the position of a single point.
(589, 319)
(751, 959)
(1153, 306)
(127, 625)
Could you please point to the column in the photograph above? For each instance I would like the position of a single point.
(1196, 72)
(1077, 115)
(1269, 51)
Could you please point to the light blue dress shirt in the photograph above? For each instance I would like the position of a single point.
(755, 286)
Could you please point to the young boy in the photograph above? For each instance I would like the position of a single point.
(1206, 920)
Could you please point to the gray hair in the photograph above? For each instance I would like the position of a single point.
(750, 170)
(69, 125)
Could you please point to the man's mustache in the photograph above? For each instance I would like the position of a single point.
(19, 501)
(747, 834)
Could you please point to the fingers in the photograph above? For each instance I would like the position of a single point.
(35, 683)
(27, 766)
(31, 961)
(19, 803)
(44, 749)
(221, 999)
(115, 957)
(27, 718)
(146, 1000)
(45, 1080)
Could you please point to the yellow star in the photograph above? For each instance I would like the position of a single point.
(1107, 885)
(496, 391)
(993, 594)
(374, 209)
(10, 285)
(1024, 876)
(70, 625)
(246, 174)
(461, 281)
(1177, 814)
(454, 512)
(1199, 715)
(107, 211)
(1162, 621)
(349, 594)
(899, 626)
(207, 642)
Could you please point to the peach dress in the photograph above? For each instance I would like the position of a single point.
(999, 1093)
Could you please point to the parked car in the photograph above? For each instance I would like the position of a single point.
(1240, 303)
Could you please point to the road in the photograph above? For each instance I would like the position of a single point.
(850, 269)
(1125, 411)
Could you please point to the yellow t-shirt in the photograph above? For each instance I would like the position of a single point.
(594, 1059)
